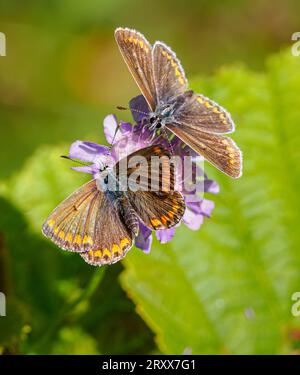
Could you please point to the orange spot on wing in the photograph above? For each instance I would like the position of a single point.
(78, 239)
(51, 223)
(115, 248)
(155, 223)
(124, 243)
(164, 219)
(69, 237)
(87, 240)
(97, 253)
(106, 254)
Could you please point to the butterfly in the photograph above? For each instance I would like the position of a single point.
(198, 121)
(100, 222)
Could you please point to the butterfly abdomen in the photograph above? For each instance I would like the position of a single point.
(129, 216)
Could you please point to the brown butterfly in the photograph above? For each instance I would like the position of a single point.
(195, 119)
(100, 223)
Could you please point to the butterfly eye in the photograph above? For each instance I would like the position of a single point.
(158, 126)
(153, 119)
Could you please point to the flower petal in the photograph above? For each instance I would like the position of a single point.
(195, 206)
(192, 220)
(144, 239)
(126, 145)
(207, 207)
(110, 125)
(87, 151)
(165, 235)
(84, 169)
(211, 186)
(126, 127)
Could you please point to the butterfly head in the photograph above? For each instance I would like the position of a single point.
(103, 167)
(161, 116)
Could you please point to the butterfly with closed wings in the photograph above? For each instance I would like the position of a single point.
(195, 119)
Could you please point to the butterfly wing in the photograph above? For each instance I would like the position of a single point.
(169, 76)
(136, 52)
(219, 150)
(114, 237)
(200, 113)
(157, 71)
(159, 209)
(149, 167)
(83, 223)
(71, 225)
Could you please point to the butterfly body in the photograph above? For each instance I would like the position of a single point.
(195, 119)
(166, 113)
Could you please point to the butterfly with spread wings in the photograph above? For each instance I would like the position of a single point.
(101, 220)
(195, 119)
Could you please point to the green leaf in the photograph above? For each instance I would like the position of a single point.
(228, 287)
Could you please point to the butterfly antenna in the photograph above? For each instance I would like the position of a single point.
(74, 160)
(132, 110)
(114, 137)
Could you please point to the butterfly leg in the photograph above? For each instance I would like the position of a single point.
(168, 140)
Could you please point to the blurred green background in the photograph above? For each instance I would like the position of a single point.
(225, 289)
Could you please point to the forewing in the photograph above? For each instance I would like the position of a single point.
(200, 113)
(136, 51)
(169, 77)
(153, 166)
(71, 225)
(219, 150)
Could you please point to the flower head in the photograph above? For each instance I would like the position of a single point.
(123, 140)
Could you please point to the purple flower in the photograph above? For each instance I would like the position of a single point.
(144, 239)
(126, 138)
(89, 152)
(123, 140)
